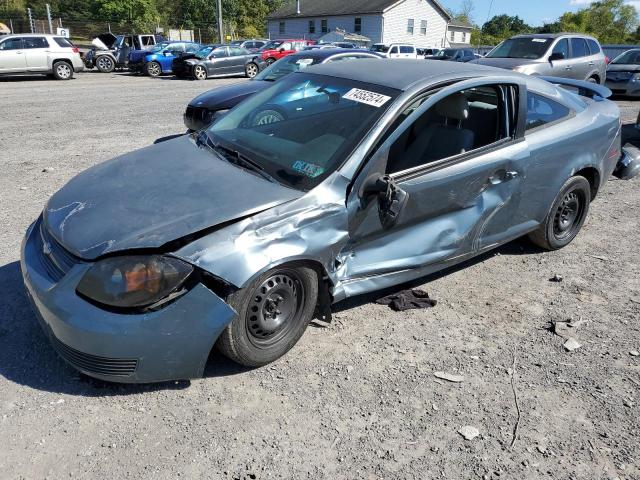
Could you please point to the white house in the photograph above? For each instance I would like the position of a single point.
(459, 34)
(420, 22)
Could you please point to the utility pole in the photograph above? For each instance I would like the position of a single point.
(220, 33)
(30, 20)
(49, 18)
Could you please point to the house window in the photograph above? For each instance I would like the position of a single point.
(410, 26)
(312, 26)
(357, 25)
(281, 28)
(423, 27)
(464, 37)
(453, 36)
(324, 26)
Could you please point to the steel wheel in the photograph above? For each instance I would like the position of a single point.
(199, 72)
(62, 71)
(567, 215)
(251, 70)
(105, 64)
(153, 69)
(275, 308)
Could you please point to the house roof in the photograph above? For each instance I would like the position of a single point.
(326, 8)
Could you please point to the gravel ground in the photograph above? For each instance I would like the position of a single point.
(355, 399)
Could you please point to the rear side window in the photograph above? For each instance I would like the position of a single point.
(594, 48)
(11, 44)
(542, 111)
(63, 42)
(35, 42)
(579, 48)
(405, 49)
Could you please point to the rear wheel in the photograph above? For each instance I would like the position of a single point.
(199, 72)
(251, 70)
(62, 70)
(273, 313)
(566, 216)
(105, 64)
(153, 69)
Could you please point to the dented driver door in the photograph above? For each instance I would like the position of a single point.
(443, 211)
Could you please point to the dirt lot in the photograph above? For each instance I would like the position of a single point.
(355, 399)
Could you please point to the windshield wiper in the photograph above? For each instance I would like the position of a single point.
(234, 156)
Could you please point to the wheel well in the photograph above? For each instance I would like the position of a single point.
(593, 177)
(596, 77)
(66, 60)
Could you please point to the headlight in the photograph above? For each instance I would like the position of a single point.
(133, 281)
(636, 76)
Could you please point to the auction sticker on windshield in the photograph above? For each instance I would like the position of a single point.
(365, 96)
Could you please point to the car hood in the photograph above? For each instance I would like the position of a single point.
(106, 41)
(507, 63)
(229, 96)
(150, 197)
(621, 67)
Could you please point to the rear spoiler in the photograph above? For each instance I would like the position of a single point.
(585, 89)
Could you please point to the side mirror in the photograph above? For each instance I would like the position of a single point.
(556, 56)
(281, 50)
(391, 199)
(167, 54)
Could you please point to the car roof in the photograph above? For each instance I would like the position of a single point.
(554, 35)
(20, 35)
(402, 76)
(322, 53)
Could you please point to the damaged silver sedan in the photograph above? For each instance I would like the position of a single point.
(338, 180)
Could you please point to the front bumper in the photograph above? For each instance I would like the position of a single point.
(169, 344)
(627, 88)
(628, 166)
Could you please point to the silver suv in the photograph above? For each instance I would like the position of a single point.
(34, 53)
(566, 55)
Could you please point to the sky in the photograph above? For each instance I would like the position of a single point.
(533, 12)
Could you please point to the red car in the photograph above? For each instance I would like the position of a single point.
(276, 49)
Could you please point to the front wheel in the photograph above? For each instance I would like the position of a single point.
(153, 69)
(251, 70)
(199, 72)
(566, 216)
(270, 61)
(274, 310)
(105, 64)
(62, 71)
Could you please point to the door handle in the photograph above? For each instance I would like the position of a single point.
(18, 52)
(567, 68)
(502, 176)
(591, 64)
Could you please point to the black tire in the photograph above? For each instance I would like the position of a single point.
(62, 70)
(274, 310)
(199, 72)
(251, 70)
(270, 60)
(593, 80)
(153, 69)
(566, 216)
(105, 64)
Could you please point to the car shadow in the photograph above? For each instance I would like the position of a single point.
(27, 358)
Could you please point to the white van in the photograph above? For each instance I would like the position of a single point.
(395, 50)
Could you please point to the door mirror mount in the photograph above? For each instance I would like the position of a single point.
(556, 56)
(391, 199)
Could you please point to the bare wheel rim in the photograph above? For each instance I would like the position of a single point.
(275, 308)
(200, 72)
(63, 70)
(568, 215)
(104, 63)
(153, 69)
(265, 117)
(252, 70)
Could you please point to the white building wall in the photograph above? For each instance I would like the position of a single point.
(460, 35)
(396, 22)
(299, 27)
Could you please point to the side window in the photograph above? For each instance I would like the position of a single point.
(237, 52)
(541, 111)
(147, 40)
(562, 47)
(324, 26)
(462, 122)
(35, 42)
(192, 47)
(594, 48)
(11, 44)
(406, 49)
(393, 50)
(220, 52)
(579, 48)
(286, 46)
(281, 28)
